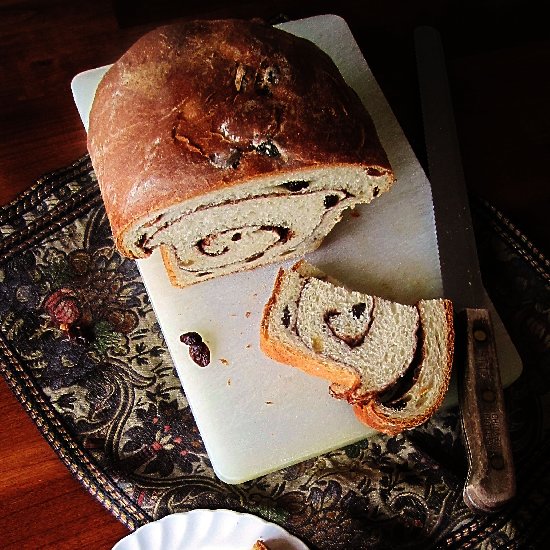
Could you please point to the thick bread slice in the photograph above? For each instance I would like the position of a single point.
(229, 144)
(391, 361)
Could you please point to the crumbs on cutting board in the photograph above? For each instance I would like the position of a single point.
(247, 314)
(224, 361)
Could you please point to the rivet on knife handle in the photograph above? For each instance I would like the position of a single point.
(491, 479)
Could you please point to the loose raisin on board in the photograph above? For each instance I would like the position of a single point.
(200, 354)
(198, 350)
(191, 338)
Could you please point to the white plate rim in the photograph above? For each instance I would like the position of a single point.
(202, 529)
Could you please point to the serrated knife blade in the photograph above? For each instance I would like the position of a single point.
(490, 482)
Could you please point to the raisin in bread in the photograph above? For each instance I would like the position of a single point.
(229, 144)
(391, 361)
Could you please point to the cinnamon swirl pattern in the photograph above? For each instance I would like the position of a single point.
(391, 361)
(279, 219)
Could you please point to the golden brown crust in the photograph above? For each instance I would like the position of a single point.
(171, 270)
(316, 367)
(201, 106)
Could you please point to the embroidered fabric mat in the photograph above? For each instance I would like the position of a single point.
(108, 400)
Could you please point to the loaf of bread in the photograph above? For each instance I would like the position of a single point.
(229, 144)
(391, 361)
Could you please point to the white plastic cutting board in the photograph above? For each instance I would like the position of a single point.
(256, 415)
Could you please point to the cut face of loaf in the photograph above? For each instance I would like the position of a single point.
(275, 217)
(229, 144)
(391, 361)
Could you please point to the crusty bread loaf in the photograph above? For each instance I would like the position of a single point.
(229, 144)
(391, 361)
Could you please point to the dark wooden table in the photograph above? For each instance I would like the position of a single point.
(498, 59)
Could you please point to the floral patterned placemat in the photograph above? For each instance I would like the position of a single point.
(81, 349)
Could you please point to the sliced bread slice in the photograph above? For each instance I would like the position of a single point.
(391, 361)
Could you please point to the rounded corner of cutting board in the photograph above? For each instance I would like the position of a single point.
(227, 473)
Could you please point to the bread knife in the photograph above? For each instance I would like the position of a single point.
(490, 482)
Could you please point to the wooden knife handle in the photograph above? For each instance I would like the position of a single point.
(491, 477)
